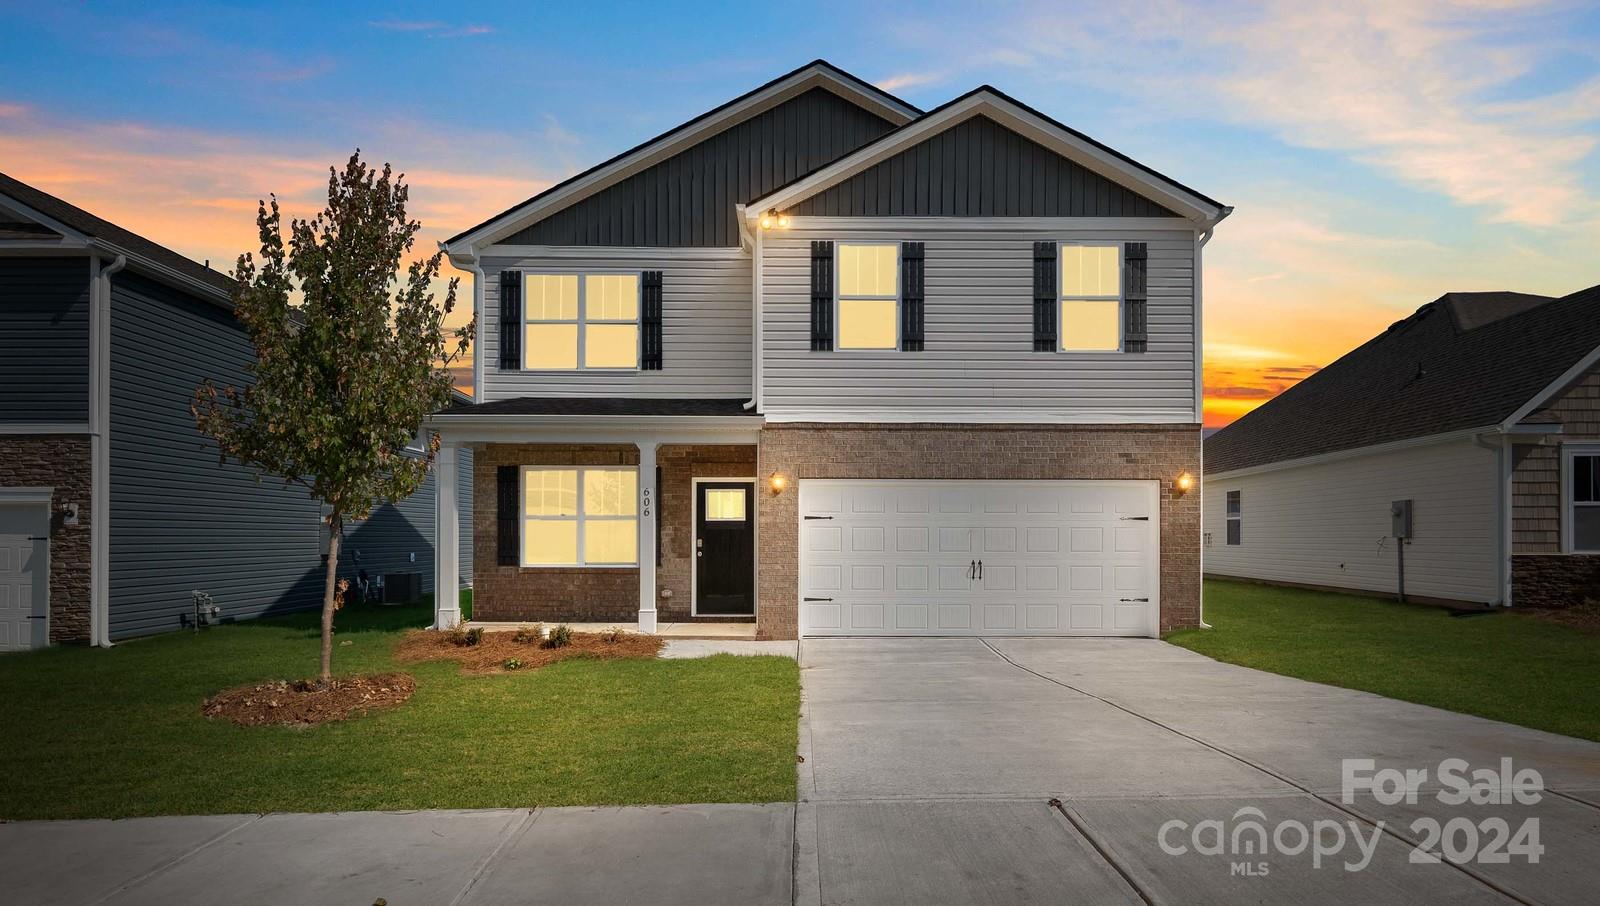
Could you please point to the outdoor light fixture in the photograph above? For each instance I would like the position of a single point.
(777, 482)
(773, 219)
(1184, 483)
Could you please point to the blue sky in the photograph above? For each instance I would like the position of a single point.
(1378, 154)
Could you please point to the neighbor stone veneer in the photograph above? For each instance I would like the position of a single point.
(511, 593)
(61, 462)
(1554, 580)
(1036, 452)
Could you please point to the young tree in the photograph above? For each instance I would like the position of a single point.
(342, 382)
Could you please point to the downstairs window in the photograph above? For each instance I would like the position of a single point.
(1583, 501)
(580, 516)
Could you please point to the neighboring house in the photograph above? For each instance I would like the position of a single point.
(113, 508)
(824, 362)
(1481, 409)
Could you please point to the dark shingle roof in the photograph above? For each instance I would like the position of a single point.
(92, 226)
(1424, 375)
(553, 405)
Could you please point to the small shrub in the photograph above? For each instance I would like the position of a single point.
(612, 636)
(532, 635)
(511, 663)
(560, 637)
(466, 638)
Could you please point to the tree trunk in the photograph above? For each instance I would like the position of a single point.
(329, 588)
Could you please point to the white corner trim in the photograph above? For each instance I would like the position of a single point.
(1023, 122)
(100, 448)
(15, 428)
(1540, 398)
(675, 141)
(1427, 440)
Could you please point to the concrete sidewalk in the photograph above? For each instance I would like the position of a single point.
(689, 854)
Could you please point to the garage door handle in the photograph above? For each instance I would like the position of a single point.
(818, 517)
(1135, 518)
(980, 569)
(1135, 600)
(816, 599)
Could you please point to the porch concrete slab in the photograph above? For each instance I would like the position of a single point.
(690, 854)
(958, 852)
(1130, 832)
(51, 862)
(690, 648)
(344, 857)
(668, 630)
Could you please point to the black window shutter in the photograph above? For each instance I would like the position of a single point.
(1136, 332)
(1044, 297)
(507, 516)
(650, 358)
(510, 320)
(821, 295)
(911, 296)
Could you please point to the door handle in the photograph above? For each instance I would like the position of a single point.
(1134, 600)
(972, 569)
(818, 599)
(980, 569)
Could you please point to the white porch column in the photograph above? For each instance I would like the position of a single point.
(446, 541)
(647, 537)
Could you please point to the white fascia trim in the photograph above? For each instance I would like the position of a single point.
(1021, 121)
(975, 417)
(45, 220)
(1408, 443)
(1101, 226)
(607, 253)
(39, 248)
(27, 495)
(611, 429)
(162, 273)
(675, 142)
(1556, 386)
(16, 428)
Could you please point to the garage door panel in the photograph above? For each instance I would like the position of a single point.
(900, 558)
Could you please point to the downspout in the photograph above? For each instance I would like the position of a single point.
(1500, 444)
(475, 268)
(1200, 402)
(100, 457)
(756, 382)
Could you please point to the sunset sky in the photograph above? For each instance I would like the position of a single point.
(1378, 154)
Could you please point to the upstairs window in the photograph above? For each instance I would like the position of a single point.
(581, 322)
(869, 296)
(1235, 518)
(580, 517)
(1090, 297)
(1583, 500)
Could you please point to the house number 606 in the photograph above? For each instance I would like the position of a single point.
(645, 504)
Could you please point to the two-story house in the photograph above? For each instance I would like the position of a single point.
(824, 362)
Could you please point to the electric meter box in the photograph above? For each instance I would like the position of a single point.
(1400, 515)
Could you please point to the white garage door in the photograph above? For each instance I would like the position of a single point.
(979, 557)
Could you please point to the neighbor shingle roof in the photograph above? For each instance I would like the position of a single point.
(1424, 375)
(86, 223)
(628, 406)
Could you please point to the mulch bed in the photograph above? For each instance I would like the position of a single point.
(494, 649)
(1584, 617)
(302, 703)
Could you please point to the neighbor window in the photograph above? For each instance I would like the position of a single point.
(580, 517)
(581, 321)
(1235, 518)
(869, 296)
(1091, 297)
(1583, 514)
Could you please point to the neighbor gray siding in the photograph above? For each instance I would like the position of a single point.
(44, 339)
(706, 348)
(978, 363)
(180, 521)
(398, 537)
(979, 168)
(688, 200)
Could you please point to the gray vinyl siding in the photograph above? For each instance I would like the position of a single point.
(44, 339)
(706, 322)
(979, 363)
(688, 199)
(399, 537)
(180, 521)
(979, 168)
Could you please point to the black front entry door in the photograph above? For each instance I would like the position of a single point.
(725, 548)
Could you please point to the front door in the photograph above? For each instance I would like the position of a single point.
(724, 549)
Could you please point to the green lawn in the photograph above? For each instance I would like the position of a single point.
(1505, 666)
(87, 733)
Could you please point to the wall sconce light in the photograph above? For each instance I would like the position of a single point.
(777, 483)
(773, 219)
(1183, 484)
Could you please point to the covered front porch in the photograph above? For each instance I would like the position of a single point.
(605, 513)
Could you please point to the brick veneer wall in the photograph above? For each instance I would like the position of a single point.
(976, 452)
(59, 461)
(510, 593)
(1554, 580)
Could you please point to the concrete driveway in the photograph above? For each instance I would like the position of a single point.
(963, 771)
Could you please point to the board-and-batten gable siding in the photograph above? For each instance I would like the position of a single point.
(978, 168)
(1536, 505)
(688, 200)
(978, 359)
(1328, 523)
(180, 521)
(44, 339)
(706, 322)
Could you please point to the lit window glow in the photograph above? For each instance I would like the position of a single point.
(1091, 298)
(581, 320)
(869, 296)
(725, 504)
(580, 516)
